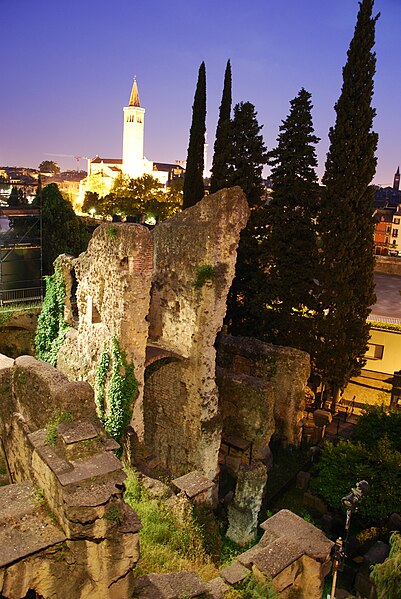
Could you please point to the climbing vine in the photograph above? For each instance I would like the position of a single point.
(114, 398)
(52, 327)
(205, 272)
(101, 376)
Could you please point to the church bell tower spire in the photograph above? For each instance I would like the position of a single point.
(396, 184)
(133, 135)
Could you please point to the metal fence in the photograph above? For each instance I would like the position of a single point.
(21, 296)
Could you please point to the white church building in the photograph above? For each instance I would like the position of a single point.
(102, 172)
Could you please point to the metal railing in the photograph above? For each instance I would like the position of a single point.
(20, 296)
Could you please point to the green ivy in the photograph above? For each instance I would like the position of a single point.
(118, 394)
(388, 326)
(111, 232)
(52, 328)
(101, 376)
(205, 272)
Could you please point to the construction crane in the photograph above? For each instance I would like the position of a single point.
(77, 158)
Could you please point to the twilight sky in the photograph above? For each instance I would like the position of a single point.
(67, 70)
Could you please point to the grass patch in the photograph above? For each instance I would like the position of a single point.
(252, 589)
(204, 273)
(51, 435)
(170, 542)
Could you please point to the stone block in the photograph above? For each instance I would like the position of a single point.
(216, 588)
(322, 417)
(302, 481)
(315, 503)
(234, 573)
(394, 522)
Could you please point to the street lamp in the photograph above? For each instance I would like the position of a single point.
(92, 212)
(351, 503)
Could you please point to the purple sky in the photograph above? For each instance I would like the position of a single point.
(67, 70)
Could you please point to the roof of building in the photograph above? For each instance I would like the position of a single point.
(134, 98)
(165, 166)
(99, 160)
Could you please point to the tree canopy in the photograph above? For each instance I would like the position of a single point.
(49, 166)
(219, 178)
(193, 182)
(17, 198)
(62, 230)
(291, 292)
(130, 197)
(346, 222)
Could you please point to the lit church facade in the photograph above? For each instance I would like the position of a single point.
(102, 172)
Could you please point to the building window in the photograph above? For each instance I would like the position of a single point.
(375, 352)
(395, 233)
(396, 221)
(138, 119)
(388, 229)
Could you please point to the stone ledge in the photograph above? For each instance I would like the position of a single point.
(234, 573)
(193, 484)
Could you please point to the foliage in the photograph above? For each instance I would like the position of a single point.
(101, 376)
(111, 232)
(168, 542)
(378, 423)
(342, 465)
(17, 198)
(193, 182)
(91, 202)
(49, 166)
(118, 393)
(63, 231)
(52, 328)
(143, 195)
(290, 296)
(219, 168)
(387, 576)
(346, 222)
(250, 588)
(388, 326)
(113, 514)
(52, 426)
(205, 272)
(247, 153)
(247, 157)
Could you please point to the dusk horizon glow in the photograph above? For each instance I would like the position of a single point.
(69, 71)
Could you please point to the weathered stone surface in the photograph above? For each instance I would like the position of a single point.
(25, 528)
(314, 502)
(193, 484)
(322, 417)
(216, 588)
(287, 524)
(234, 573)
(17, 333)
(243, 512)
(95, 543)
(276, 557)
(180, 411)
(41, 389)
(169, 586)
(302, 481)
(113, 294)
(262, 390)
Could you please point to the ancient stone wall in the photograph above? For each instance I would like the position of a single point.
(186, 313)
(17, 331)
(388, 264)
(63, 518)
(112, 280)
(262, 390)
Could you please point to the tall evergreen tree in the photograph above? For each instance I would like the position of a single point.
(246, 159)
(63, 231)
(291, 293)
(193, 183)
(219, 178)
(346, 219)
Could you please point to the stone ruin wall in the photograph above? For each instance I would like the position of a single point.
(262, 391)
(58, 524)
(181, 397)
(113, 280)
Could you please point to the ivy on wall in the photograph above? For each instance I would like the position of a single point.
(115, 390)
(52, 327)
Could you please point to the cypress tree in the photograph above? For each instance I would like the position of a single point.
(346, 219)
(193, 183)
(291, 293)
(246, 159)
(219, 169)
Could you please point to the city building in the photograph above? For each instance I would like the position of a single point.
(102, 172)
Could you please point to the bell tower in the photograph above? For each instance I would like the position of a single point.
(396, 183)
(133, 135)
